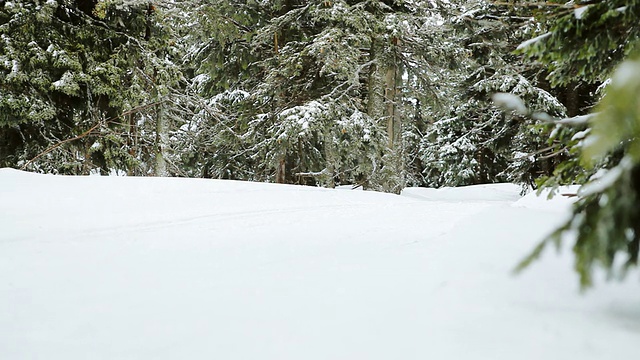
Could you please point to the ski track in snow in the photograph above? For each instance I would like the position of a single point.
(131, 268)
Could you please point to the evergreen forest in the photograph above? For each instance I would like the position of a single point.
(378, 94)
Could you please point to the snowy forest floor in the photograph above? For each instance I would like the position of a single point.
(166, 268)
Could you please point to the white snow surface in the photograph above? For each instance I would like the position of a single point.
(560, 201)
(165, 268)
(474, 193)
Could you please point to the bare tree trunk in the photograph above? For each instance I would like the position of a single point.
(330, 159)
(390, 93)
(132, 142)
(393, 82)
(281, 171)
(573, 102)
(375, 98)
(384, 84)
(160, 164)
(160, 168)
(395, 155)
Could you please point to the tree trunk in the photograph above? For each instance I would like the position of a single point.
(375, 89)
(160, 164)
(160, 168)
(132, 143)
(572, 99)
(391, 113)
(384, 84)
(395, 156)
(393, 81)
(281, 171)
(329, 154)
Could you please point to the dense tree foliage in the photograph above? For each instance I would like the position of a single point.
(586, 42)
(377, 93)
(317, 95)
(72, 69)
(471, 140)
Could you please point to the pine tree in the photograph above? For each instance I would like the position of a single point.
(472, 141)
(316, 93)
(585, 42)
(84, 84)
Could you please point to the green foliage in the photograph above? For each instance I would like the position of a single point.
(576, 46)
(565, 144)
(580, 45)
(309, 75)
(606, 220)
(608, 217)
(584, 42)
(617, 120)
(66, 68)
(474, 141)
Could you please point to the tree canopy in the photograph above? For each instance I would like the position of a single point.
(596, 42)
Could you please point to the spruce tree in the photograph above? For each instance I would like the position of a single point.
(472, 141)
(587, 42)
(316, 93)
(84, 85)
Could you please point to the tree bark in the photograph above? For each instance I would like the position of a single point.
(375, 89)
(572, 99)
(160, 168)
(281, 171)
(393, 81)
(384, 84)
(330, 159)
(391, 113)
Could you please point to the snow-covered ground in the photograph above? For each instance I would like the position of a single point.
(151, 268)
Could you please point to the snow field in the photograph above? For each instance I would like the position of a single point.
(139, 268)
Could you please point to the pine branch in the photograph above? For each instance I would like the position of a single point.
(89, 131)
